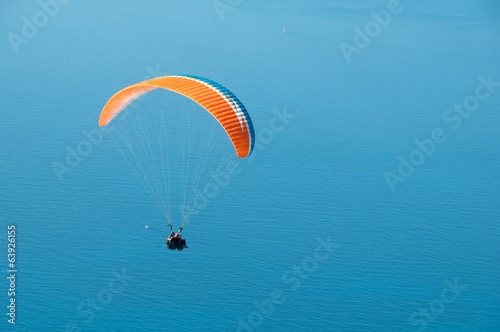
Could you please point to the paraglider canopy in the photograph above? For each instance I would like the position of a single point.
(213, 97)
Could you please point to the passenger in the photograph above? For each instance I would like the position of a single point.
(181, 243)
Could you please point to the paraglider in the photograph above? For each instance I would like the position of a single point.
(196, 151)
(175, 241)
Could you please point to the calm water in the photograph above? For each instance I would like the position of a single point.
(257, 257)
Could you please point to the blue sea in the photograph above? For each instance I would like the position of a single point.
(371, 201)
